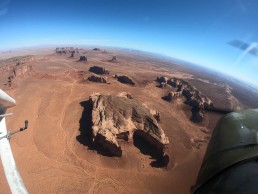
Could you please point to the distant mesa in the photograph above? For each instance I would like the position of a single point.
(121, 117)
(194, 97)
(98, 70)
(125, 79)
(173, 95)
(65, 50)
(83, 58)
(96, 49)
(97, 78)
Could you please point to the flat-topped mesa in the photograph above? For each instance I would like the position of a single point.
(65, 50)
(98, 70)
(121, 117)
(125, 79)
(96, 49)
(97, 78)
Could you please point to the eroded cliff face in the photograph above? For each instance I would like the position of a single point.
(18, 71)
(193, 97)
(120, 117)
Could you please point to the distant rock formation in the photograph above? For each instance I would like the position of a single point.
(98, 70)
(194, 97)
(121, 117)
(125, 79)
(114, 59)
(83, 58)
(65, 50)
(97, 78)
(96, 49)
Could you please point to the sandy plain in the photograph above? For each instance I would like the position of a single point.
(52, 156)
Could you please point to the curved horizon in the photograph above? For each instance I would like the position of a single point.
(190, 31)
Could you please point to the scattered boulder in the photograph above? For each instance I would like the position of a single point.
(121, 117)
(125, 79)
(83, 58)
(97, 78)
(98, 70)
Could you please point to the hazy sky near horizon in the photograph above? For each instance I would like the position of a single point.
(193, 30)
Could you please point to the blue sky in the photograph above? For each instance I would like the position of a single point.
(193, 30)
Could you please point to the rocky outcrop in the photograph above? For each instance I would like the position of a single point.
(119, 117)
(97, 78)
(83, 58)
(22, 70)
(162, 79)
(173, 95)
(98, 70)
(193, 97)
(18, 71)
(114, 59)
(125, 79)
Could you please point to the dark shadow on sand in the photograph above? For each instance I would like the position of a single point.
(85, 129)
(146, 148)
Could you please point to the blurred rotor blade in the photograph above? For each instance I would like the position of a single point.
(250, 48)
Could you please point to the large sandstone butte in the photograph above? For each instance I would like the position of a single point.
(193, 96)
(122, 117)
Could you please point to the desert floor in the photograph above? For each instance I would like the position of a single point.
(51, 155)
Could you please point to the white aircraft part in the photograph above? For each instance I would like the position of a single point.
(5, 100)
(12, 174)
(6, 115)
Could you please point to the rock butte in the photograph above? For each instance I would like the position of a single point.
(194, 97)
(120, 116)
(97, 78)
(98, 70)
